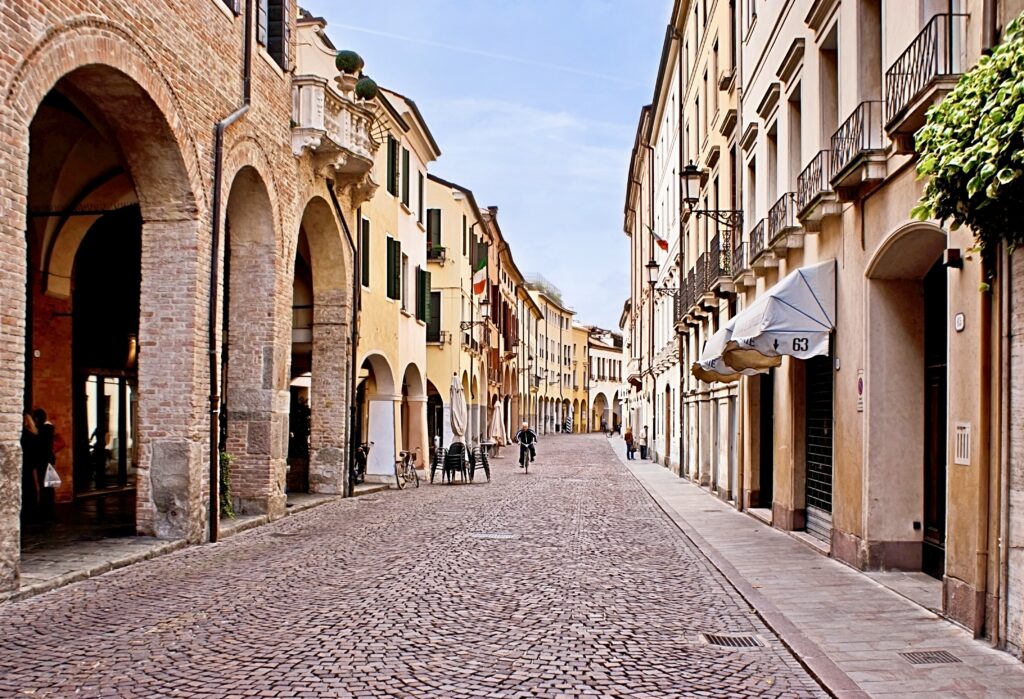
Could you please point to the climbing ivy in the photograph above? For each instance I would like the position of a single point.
(972, 149)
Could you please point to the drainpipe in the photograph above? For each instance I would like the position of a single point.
(650, 333)
(357, 299)
(218, 170)
(1005, 345)
(989, 26)
(981, 576)
(683, 463)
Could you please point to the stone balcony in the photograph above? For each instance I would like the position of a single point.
(815, 200)
(784, 231)
(858, 152)
(330, 124)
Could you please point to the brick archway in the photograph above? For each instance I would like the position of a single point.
(114, 88)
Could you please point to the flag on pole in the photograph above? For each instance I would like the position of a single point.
(480, 276)
(661, 242)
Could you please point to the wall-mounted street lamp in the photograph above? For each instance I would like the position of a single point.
(652, 279)
(485, 314)
(693, 179)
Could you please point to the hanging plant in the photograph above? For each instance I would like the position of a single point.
(348, 62)
(366, 88)
(972, 148)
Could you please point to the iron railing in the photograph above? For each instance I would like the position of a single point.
(782, 216)
(437, 253)
(757, 242)
(814, 180)
(718, 261)
(860, 133)
(739, 258)
(932, 54)
(691, 282)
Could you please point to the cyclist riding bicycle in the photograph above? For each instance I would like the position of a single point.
(526, 439)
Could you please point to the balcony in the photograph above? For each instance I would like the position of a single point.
(815, 200)
(742, 275)
(720, 266)
(784, 230)
(858, 152)
(437, 254)
(704, 296)
(922, 76)
(336, 130)
(761, 256)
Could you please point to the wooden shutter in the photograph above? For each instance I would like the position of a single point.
(262, 13)
(433, 316)
(434, 228)
(426, 296)
(396, 269)
(278, 29)
(391, 269)
(405, 176)
(418, 302)
(364, 254)
(392, 166)
(419, 198)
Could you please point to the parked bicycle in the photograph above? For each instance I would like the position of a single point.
(359, 465)
(405, 469)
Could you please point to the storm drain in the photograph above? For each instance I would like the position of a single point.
(931, 657)
(723, 641)
(499, 536)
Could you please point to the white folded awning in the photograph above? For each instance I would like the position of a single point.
(795, 318)
(710, 367)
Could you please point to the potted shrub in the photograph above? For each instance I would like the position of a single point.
(366, 88)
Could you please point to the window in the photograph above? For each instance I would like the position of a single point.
(433, 315)
(392, 179)
(403, 281)
(405, 177)
(394, 269)
(364, 253)
(272, 28)
(423, 295)
(234, 5)
(433, 230)
(420, 203)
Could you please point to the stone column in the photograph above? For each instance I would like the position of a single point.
(173, 394)
(327, 467)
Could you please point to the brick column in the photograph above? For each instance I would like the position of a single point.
(331, 367)
(173, 382)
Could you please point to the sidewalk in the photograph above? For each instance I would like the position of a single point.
(847, 628)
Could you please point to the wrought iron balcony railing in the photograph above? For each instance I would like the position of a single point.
(718, 259)
(814, 180)
(437, 253)
(739, 259)
(757, 241)
(782, 217)
(691, 286)
(860, 133)
(932, 54)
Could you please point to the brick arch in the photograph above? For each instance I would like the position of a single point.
(247, 152)
(98, 53)
(331, 258)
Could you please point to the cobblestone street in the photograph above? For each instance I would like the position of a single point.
(568, 581)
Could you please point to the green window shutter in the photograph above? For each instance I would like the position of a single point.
(395, 265)
(364, 252)
(433, 315)
(426, 296)
(392, 166)
(434, 228)
(421, 204)
(418, 310)
(391, 269)
(405, 176)
(464, 245)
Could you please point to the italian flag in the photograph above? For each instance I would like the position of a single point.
(661, 242)
(480, 277)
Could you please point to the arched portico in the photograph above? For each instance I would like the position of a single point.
(91, 321)
(376, 400)
(414, 414)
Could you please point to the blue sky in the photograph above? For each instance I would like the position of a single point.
(534, 104)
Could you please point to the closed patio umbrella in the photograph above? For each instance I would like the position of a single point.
(460, 415)
(497, 431)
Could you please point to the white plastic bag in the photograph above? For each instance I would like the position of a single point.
(52, 480)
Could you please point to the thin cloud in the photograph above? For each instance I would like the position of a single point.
(496, 56)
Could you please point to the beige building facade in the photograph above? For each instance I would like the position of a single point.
(871, 423)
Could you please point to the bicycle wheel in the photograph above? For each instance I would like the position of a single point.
(399, 481)
(415, 476)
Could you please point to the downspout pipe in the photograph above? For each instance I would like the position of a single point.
(357, 303)
(989, 26)
(218, 171)
(999, 635)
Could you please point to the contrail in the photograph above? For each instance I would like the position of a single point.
(496, 56)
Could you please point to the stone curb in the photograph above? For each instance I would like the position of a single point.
(98, 569)
(832, 679)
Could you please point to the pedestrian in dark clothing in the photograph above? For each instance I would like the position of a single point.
(629, 443)
(31, 478)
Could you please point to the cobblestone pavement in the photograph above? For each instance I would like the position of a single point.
(564, 582)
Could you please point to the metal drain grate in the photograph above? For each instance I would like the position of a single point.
(500, 536)
(715, 639)
(931, 657)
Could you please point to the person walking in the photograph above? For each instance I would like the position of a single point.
(628, 437)
(642, 443)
